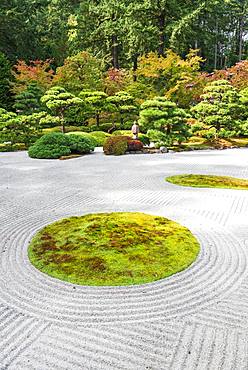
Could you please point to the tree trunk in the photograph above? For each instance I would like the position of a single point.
(115, 52)
(63, 128)
(62, 122)
(241, 30)
(216, 45)
(161, 25)
(135, 67)
(121, 122)
(98, 119)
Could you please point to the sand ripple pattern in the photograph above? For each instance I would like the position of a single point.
(196, 319)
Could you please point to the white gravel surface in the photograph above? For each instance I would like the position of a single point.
(197, 319)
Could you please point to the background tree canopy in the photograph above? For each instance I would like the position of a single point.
(120, 31)
(178, 67)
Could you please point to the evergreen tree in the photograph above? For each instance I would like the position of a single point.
(96, 103)
(19, 129)
(163, 115)
(59, 101)
(28, 101)
(244, 98)
(5, 117)
(5, 79)
(124, 104)
(220, 107)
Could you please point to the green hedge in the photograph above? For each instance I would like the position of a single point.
(56, 145)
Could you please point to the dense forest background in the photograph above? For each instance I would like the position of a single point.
(177, 67)
(120, 31)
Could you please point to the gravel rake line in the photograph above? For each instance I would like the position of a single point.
(195, 319)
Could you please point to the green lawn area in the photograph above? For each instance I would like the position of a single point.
(209, 181)
(199, 143)
(113, 249)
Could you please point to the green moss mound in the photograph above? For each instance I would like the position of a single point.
(207, 181)
(113, 249)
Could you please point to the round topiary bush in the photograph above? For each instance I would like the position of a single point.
(134, 145)
(81, 145)
(48, 151)
(56, 145)
(113, 249)
(142, 137)
(116, 145)
(92, 139)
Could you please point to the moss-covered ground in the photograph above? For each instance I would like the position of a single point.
(209, 181)
(198, 143)
(113, 249)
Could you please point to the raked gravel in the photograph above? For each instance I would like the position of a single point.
(196, 319)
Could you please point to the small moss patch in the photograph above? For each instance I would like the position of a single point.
(113, 249)
(209, 181)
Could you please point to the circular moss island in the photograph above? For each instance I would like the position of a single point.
(109, 249)
(209, 181)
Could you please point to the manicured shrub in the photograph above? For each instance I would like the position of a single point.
(220, 107)
(73, 129)
(106, 127)
(48, 151)
(127, 125)
(84, 128)
(226, 134)
(122, 132)
(58, 129)
(81, 144)
(59, 102)
(55, 138)
(55, 145)
(134, 145)
(124, 105)
(165, 116)
(157, 137)
(100, 136)
(51, 130)
(12, 148)
(116, 145)
(144, 139)
(91, 138)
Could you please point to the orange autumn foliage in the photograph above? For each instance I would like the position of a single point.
(237, 75)
(36, 71)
